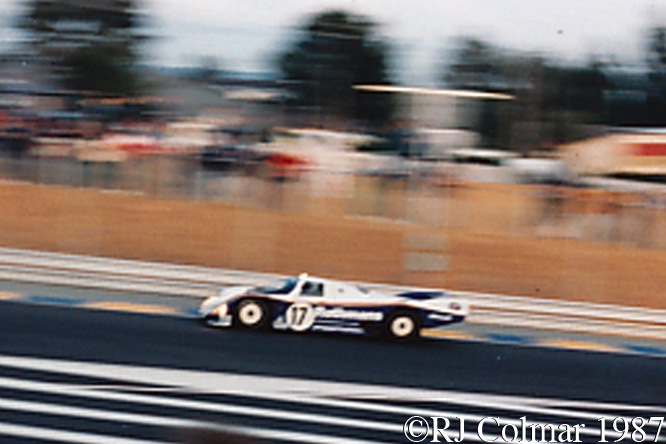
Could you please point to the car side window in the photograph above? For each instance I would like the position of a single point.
(312, 289)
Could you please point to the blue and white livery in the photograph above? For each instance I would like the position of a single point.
(306, 303)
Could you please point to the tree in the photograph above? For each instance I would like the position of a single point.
(477, 66)
(336, 51)
(577, 89)
(93, 43)
(552, 100)
(656, 61)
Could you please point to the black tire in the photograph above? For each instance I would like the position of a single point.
(373, 329)
(252, 314)
(402, 325)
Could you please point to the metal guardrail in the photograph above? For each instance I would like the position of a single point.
(120, 274)
(198, 282)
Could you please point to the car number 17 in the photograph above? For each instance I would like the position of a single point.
(300, 317)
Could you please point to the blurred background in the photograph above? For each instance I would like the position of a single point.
(517, 119)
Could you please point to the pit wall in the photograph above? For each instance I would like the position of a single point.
(330, 244)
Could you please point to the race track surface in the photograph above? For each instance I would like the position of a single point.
(55, 379)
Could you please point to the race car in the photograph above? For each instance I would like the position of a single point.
(305, 303)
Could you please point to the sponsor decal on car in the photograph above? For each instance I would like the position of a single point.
(348, 314)
(301, 317)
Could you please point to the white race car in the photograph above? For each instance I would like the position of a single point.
(306, 303)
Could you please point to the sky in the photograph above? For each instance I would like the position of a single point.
(246, 34)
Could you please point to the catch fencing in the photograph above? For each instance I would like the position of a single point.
(441, 195)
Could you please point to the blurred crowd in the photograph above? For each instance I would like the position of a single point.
(352, 174)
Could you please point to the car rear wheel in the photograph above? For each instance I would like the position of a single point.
(252, 313)
(403, 326)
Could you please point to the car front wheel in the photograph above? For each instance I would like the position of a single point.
(252, 313)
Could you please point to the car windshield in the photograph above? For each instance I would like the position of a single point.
(281, 287)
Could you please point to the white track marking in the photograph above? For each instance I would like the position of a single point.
(24, 431)
(201, 406)
(96, 414)
(135, 418)
(299, 390)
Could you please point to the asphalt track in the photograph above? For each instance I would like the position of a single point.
(106, 375)
(180, 343)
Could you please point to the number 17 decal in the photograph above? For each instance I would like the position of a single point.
(300, 317)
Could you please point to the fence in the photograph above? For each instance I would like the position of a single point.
(425, 196)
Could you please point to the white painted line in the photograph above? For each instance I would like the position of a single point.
(392, 429)
(71, 390)
(160, 421)
(298, 390)
(308, 438)
(23, 431)
(287, 388)
(95, 414)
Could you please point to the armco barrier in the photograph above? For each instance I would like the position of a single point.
(181, 280)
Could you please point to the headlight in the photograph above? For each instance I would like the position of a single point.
(222, 310)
